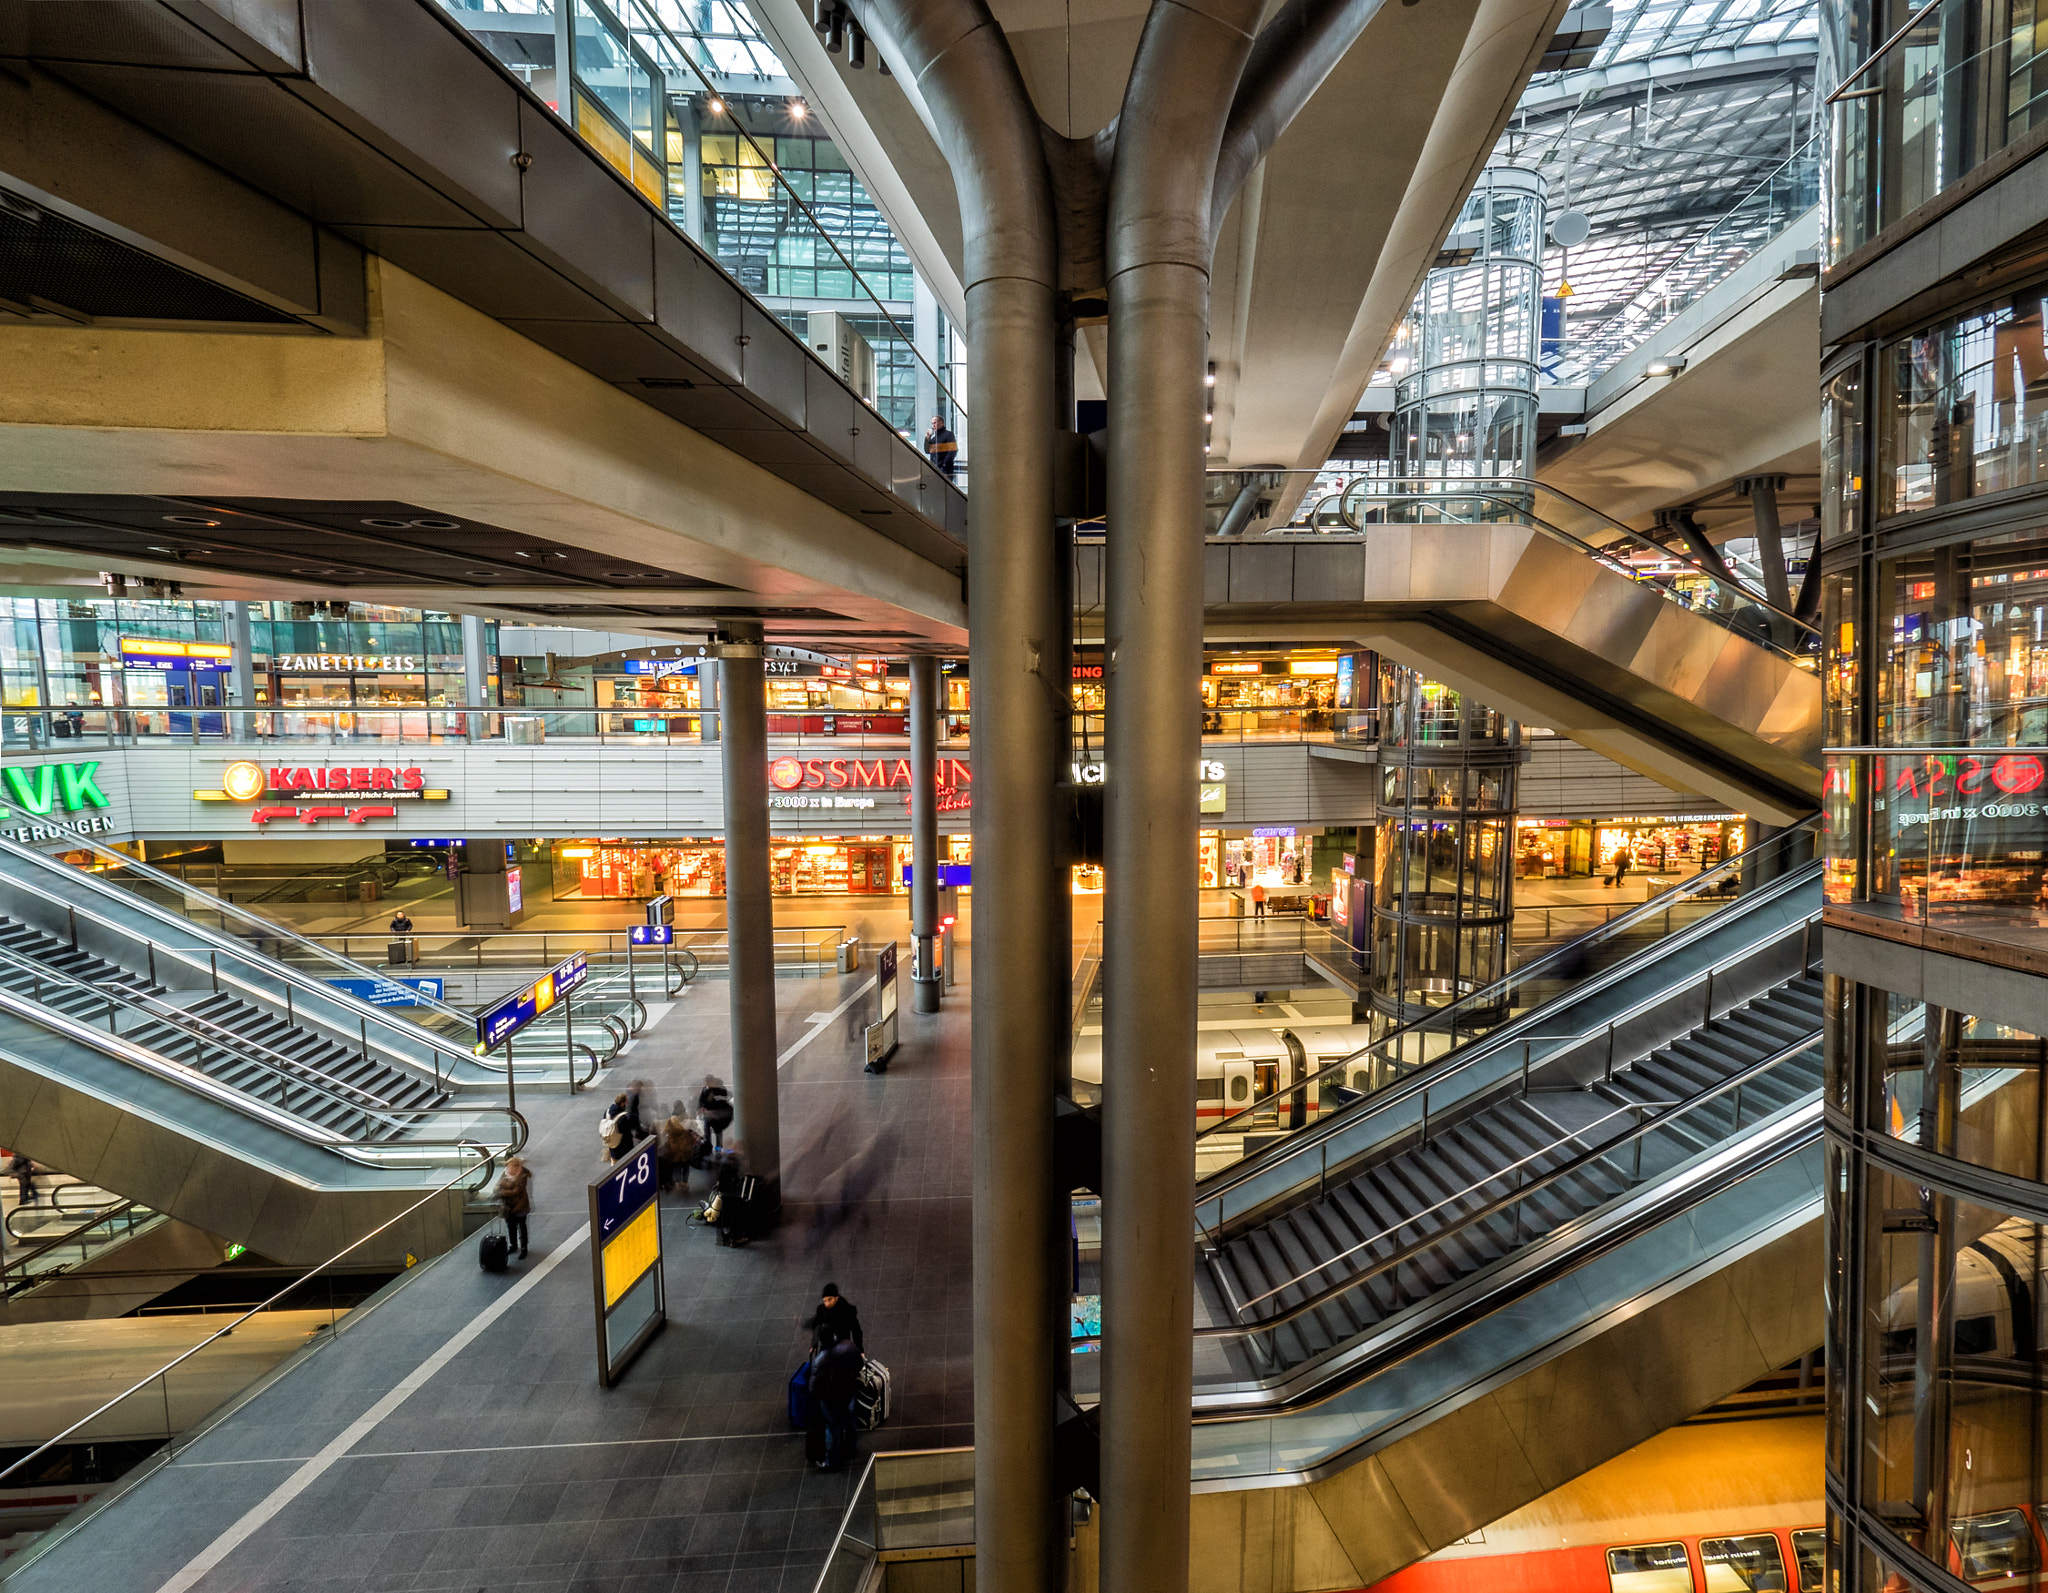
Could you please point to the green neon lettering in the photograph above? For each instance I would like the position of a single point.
(81, 789)
(36, 799)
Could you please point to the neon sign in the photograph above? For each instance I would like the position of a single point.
(842, 774)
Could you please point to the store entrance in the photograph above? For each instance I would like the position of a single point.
(326, 705)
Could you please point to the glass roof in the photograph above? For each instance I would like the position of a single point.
(1686, 144)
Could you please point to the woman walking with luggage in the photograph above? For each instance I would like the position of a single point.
(515, 1201)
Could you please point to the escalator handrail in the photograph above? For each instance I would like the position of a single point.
(1557, 1254)
(262, 925)
(20, 1262)
(153, 1008)
(1496, 1206)
(1453, 1062)
(121, 1049)
(406, 1035)
(1494, 993)
(179, 1360)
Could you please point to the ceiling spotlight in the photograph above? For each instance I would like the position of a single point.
(1209, 376)
(1665, 365)
(716, 106)
(798, 110)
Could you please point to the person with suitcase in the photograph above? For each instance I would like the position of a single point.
(399, 952)
(714, 1106)
(834, 1387)
(836, 1318)
(515, 1200)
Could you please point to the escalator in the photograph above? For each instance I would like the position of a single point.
(1524, 1251)
(236, 1095)
(1551, 612)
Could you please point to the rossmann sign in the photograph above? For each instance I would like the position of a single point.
(851, 783)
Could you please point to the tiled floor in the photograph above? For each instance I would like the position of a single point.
(510, 1467)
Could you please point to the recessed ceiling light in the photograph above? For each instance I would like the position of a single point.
(435, 525)
(189, 519)
(386, 523)
(312, 571)
(482, 575)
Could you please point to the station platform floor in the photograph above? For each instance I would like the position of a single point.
(454, 1435)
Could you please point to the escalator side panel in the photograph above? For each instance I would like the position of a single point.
(1529, 1431)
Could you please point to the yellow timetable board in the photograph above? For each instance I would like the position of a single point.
(630, 1252)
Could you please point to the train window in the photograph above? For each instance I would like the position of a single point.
(1996, 1546)
(1810, 1558)
(1240, 1087)
(1977, 1335)
(1208, 1089)
(1649, 1568)
(1740, 1565)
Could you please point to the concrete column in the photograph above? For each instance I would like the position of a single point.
(707, 700)
(241, 671)
(693, 167)
(476, 674)
(924, 832)
(749, 909)
(924, 320)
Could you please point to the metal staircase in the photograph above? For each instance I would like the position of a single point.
(347, 1091)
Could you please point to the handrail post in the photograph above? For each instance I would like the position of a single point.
(213, 963)
(1610, 1053)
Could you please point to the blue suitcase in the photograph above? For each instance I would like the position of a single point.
(800, 1397)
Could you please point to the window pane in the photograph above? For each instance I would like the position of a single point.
(1995, 1547)
(1651, 1568)
(1740, 1565)
(1810, 1559)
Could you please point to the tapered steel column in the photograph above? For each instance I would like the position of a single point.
(749, 909)
(241, 671)
(1016, 628)
(1762, 492)
(924, 832)
(476, 673)
(1181, 90)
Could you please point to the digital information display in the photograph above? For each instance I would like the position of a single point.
(498, 1023)
(628, 1290)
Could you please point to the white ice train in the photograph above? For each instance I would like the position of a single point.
(1245, 1066)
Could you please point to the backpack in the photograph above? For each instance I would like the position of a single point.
(609, 1129)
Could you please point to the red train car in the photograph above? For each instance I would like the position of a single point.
(1730, 1507)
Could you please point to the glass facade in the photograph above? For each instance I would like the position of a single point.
(1934, 609)
(1968, 81)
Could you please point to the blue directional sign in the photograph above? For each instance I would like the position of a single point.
(652, 934)
(497, 1024)
(399, 992)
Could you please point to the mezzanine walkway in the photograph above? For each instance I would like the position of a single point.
(454, 1435)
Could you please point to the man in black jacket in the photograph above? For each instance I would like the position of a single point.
(836, 1318)
(834, 1385)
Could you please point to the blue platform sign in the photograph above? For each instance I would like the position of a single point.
(652, 934)
(401, 992)
(628, 1292)
(624, 1191)
(498, 1023)
(951, 875)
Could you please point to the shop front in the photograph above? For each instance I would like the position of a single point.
(650, 696)
(1291, 694)
(861, 699)
(1679, 845)
(868, 865)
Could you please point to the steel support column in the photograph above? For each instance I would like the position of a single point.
(924, 832)
(1181, 91)
(476, 674)
(707, 700)
(241, 672)
(749, 909)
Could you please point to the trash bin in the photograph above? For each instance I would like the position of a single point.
(525, 730)
(849, 954)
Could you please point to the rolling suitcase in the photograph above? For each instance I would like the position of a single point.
(800, 1396)
(494, 1253)
(871, 1404)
